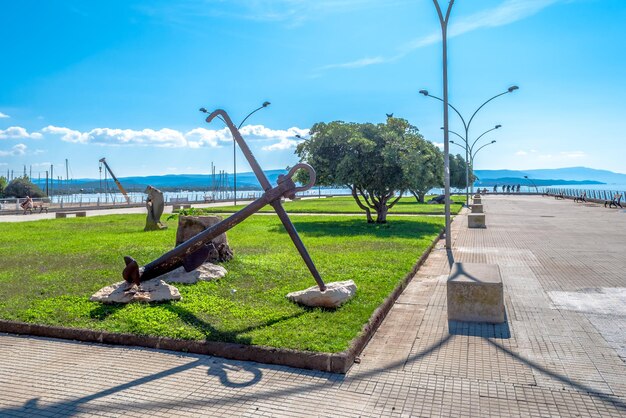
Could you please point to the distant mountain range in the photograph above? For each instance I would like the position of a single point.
(248, 181)
(245, 181)
(552, 177)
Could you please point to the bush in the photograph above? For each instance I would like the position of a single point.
(3, 185)
(22, 187)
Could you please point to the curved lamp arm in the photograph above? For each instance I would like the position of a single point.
(509, 90)
(481, 135)
(427, 94)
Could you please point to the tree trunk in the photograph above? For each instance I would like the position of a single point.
(361, 205)
(381, 210)
(419, 196)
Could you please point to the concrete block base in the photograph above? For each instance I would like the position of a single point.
(477, 208)
(477, 201)
(475, 293)
(476, 220)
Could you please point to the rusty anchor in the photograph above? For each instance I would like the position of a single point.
(193, 252)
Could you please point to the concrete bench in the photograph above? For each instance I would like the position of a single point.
(78, 214)
(476, 220)
(179, 206)
(477, 208)
(475, 293)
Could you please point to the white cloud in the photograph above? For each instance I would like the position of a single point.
(201, 137)
(16, 150)
(439, 145)
(170, 138)
(291, 12)
(17, 132)
(563, 156)
(572, 154)
(521, 153)
(509, 11)
(283, 144)
(4, 115)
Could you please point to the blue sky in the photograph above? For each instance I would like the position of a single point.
(124, 79)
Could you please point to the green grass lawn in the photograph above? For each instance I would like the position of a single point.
(49, 268)
(346, 204)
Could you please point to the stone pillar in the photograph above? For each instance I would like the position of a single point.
(190, 226)
(475, 293)
(476, 220)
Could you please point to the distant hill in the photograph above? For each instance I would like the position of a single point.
(245, 181)
(568, 174)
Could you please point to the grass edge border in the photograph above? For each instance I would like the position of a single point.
(326, 362)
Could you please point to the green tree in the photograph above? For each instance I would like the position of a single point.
(423, 167)
(457, 172)
(3, 185)
(366, 158)
(22, 187)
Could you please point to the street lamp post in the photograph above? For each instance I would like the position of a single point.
(446, 146)
(468, 152)
(466, 126)
(472, 153)
(533, 183)
(265, 104)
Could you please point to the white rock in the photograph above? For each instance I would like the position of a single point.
(335, 295)
(205, 272)
(155, 290)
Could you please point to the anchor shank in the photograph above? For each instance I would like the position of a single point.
(293, 234)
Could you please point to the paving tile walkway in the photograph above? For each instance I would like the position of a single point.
(562, 351)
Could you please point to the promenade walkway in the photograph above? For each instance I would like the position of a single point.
(561, 352)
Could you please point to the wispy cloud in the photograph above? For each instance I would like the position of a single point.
(17, 132)
(3, 115)
(16, 150)
(292, 12)
(509, 11)
(171, 138)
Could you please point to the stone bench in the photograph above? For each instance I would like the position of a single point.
(78, 214)
(476, 220)
(477, 208)
(179, 206)
(475, 293)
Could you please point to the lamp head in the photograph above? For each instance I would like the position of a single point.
(424, 92)
(299, 136)
(452, 142)
(493, 142)
(498, 127)
(512, 89)
(203, 110)
(266, 104)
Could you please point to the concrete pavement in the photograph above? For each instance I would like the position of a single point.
(561, 352)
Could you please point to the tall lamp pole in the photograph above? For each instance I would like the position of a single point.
(472, 154)
(446, 146)
(265, 104)
(466, 126)
(468, 152)
(533, 183)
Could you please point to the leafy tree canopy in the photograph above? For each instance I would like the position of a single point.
(367, 158)
(22, 187)
(3, 185)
